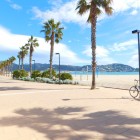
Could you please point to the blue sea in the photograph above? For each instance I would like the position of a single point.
(103, 73)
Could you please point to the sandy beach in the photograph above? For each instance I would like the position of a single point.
(114, 81)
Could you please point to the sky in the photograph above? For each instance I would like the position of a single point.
(19, 19)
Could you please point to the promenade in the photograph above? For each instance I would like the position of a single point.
(39, 111)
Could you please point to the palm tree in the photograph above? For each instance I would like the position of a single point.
(32, 43)
(23, 53)
(11, 59)
(94, 7)
(19, 58)
(7, 63)
(2, 67)
(53, 33)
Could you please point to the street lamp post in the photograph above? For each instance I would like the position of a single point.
(59, 66)
(34, 64)
(137, 32)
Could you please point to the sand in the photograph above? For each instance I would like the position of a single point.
(114, 81)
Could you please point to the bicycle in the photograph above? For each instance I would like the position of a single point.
(134, 90)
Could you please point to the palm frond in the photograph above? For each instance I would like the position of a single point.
(98, 11)
(82, 7)
(47, 38)
(106, 6)
(109, 10)
(57, 40)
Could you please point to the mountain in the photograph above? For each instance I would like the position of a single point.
(113, 68)
(102, 68)
(43, 67)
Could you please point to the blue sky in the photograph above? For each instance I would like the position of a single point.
(19, 19)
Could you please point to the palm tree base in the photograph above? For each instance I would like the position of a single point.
(93, 87)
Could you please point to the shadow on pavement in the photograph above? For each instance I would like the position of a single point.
(12, 88)
(121, 98)
(63, 123)
(47, 89)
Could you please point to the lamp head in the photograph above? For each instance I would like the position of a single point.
(57, 53)
(135, 31)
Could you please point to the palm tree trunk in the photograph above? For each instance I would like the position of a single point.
(93, 42)
(30, 62)
(22, 64)
(3, 71)
(51, 53)
(8, 70)
(11, 70)
(19, 64)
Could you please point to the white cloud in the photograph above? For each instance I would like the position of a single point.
(123, 5)
(55, 2)
(102, 55)
(15, 41)
(134, 12)
(124, 45)
(16, 6)
(133, 61)
(67, 13)
(101, 52)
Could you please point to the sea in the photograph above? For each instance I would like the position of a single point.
(103, 73)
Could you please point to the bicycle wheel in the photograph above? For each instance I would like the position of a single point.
(133, 91)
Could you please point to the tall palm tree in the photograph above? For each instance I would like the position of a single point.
(3, 67)
(32, 43)
(23, 53)
(19, 58)
(94, 7)
(7, 63)
(53, 33)
(11, 59)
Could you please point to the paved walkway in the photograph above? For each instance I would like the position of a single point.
(38, 111)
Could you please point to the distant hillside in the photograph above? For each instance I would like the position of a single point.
(113, 68)
(116, 68)
(43, 67)
(102, 68)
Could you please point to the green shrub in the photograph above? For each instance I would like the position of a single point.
(16, 74)
(35, 74)
(46, 74)
(65, 76)
(20, 73)
(38, 79)
(29, 79)
(23, 73)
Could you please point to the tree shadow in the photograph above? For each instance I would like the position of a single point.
(65, 123)
(12, 88)
(37, 88)
(103, 98)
